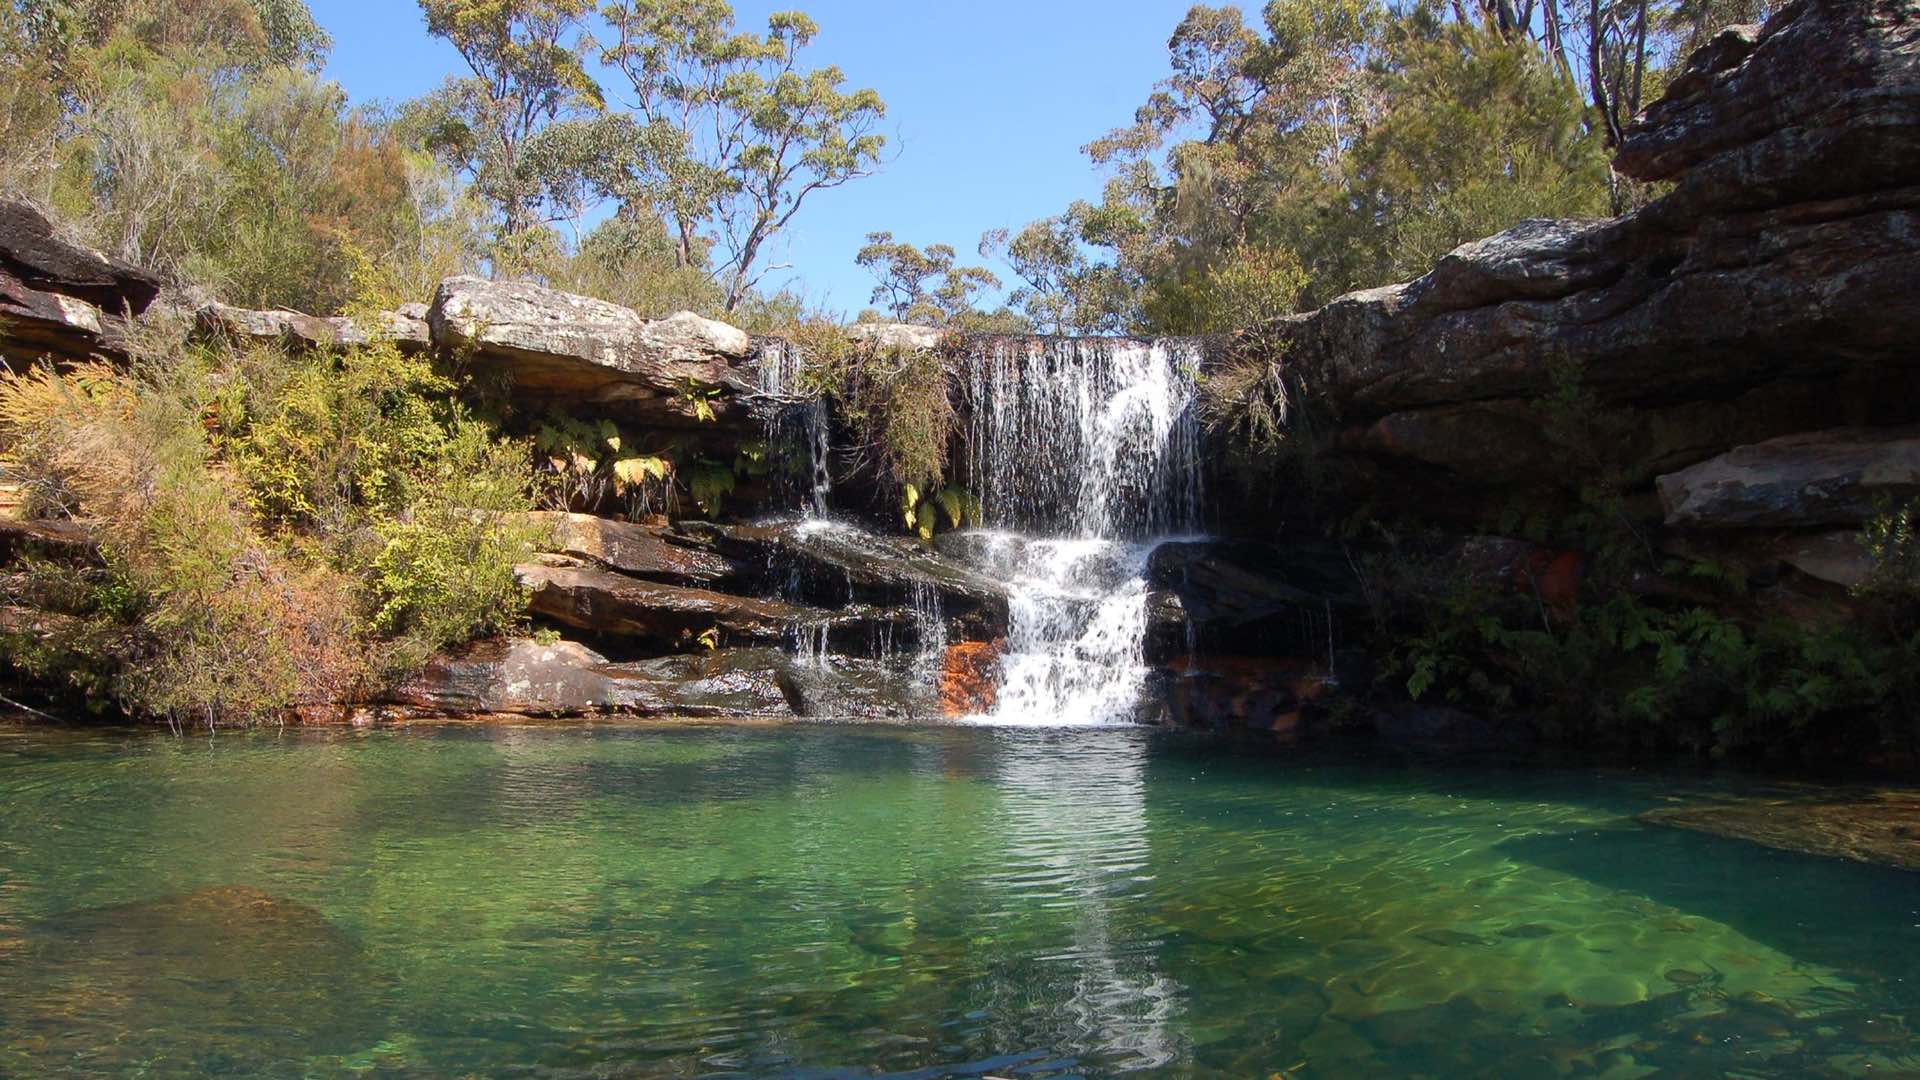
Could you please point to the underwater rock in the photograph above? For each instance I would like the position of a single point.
(1881, 828)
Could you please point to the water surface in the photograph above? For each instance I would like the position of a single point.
(818, 901)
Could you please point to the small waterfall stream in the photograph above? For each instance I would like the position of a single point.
(1087, 453)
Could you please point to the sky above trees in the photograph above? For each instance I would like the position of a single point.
(988, 104)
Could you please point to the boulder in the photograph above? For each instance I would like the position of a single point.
(527, 678)
(406, 328)
(586, 354)
(1819, 478)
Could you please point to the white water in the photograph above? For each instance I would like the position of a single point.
(793, 418)
(1091, 451)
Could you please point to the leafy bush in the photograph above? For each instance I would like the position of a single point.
(270, 524)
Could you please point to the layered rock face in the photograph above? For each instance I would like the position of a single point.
(1770, 292)
(59, 298)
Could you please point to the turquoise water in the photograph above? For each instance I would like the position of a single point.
(826, 901)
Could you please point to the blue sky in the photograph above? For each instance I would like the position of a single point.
(988, 104)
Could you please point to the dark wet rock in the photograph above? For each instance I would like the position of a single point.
(1248, 598)
(1253, 693)
(678, 372)
(1838, 558)
(860, 688)
(1810, 479)
(655, 552)
(831, 563)
(406, 328)
(1881, 827)
(1785, 263)
(604, 602)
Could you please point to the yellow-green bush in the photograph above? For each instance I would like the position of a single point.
(276, 530)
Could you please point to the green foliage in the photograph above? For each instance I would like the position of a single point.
(277, 530)
(586, 465)
(926, 287)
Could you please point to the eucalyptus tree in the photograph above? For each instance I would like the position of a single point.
(511, 124)
(923, 286)
(732, 134)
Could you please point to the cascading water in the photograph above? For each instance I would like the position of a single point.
(1087, 453)
(796, 421)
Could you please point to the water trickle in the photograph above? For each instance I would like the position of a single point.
(796, 421)
(1087, 454)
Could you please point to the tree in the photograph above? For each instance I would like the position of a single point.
(922, 286)
(731, 134)
(504, 124)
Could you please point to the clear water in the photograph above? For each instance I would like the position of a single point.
(818, 901)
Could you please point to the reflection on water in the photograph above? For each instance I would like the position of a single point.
(1074, 822)
(859, 901)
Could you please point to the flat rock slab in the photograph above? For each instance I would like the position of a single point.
(1882, 828)
(566, 679)
(1817, 478)
(601, 601)
(406, 328)
(680, 371)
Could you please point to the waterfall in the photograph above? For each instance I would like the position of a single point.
(1086, 454)
(796, 421)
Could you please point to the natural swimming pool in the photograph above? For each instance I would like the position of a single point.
(826, 901)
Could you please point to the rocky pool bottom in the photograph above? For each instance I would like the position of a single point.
(852, 901)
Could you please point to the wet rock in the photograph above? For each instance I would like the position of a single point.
(678, 372)
(741, 683)
(406, 328)
(1811, 479)
(1254, 693)
(1247, 598)
(604, 602)
(970, 678)
(837, 687)
(1881, 827)
(832, 563)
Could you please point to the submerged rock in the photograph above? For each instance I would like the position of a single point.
(1881, 828)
